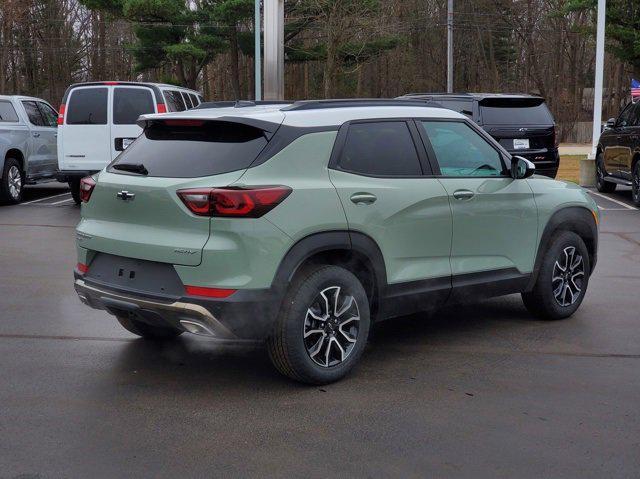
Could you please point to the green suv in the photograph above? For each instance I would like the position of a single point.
(303, 224)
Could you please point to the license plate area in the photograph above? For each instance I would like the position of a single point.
(137, 275)
(520, 144)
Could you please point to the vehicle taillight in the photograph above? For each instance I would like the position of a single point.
(83, 268)
(248, 202)
(161, 107)
(556, 143)
(86, 188)
(61, 114)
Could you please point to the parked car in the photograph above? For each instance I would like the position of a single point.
(27, 144)
(98, 120)
(522, 124)
(303, 224)
(618, 153)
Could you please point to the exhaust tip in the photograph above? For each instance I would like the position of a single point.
(196, 328)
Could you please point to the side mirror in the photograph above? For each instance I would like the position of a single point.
(521, 168)
(611, 123)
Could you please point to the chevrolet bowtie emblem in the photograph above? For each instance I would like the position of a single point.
(124, 195)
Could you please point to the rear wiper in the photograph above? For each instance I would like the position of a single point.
(132, 167)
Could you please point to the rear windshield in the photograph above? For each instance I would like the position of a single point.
(206, 149)
(87, 106)
(130, 103)
(515, 112)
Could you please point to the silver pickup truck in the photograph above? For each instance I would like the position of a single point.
(28, 144)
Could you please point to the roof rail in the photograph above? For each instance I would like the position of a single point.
(357, 102)
(239, 103)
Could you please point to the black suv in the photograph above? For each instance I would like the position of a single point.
(618, 154)
(522, 124)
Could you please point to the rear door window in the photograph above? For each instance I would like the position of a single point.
(35, 117)
(87, 106)
(49, 114)
(193, 149)
(174, 100)
(187, 100)
(7, 112)
(194, 99)
(382, 148)
(130, 103)
(515, 112)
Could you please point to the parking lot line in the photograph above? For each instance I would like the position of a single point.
(66, 200)
(43, 199)
(618, 202)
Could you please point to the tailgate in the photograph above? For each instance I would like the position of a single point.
(154, 225)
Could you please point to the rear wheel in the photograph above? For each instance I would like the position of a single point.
(74, 186)
(323, 326)
(562, 280)
(12, 182)
(635, 186)
(147, 331)
(602, 185)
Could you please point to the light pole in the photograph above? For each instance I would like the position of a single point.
(257, 57)
(597, 91)
(450, 46)
(274, 49)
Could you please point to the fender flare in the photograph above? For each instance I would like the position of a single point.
(341, 240)
(578, 219)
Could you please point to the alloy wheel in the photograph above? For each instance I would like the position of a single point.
(635, 186)
(599, 172)
(331, 327)
(14, 179)
(568, 274)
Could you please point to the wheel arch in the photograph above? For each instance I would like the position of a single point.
(358, 252)
(13, 153)
(577, 219)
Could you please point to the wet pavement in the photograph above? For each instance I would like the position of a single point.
(477, 391)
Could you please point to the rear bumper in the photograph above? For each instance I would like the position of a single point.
(65, 176)
(246, 315)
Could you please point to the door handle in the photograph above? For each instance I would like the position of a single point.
(363, 198)
(463, 194)
(36, 134)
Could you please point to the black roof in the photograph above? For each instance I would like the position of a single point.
(358, 102)
(470, 96)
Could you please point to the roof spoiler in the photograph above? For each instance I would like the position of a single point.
(268, 127)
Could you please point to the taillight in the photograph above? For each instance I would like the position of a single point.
(161, 107)
(556, 143)
(248, 202)
(83, 268)
(209, 292)
(61, 114)
(86, 188)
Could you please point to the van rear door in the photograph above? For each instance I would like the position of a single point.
(84, 136)
(129, 102)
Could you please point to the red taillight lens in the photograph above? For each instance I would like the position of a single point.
(209, 292)
(250, 202)
(86, 188)
(161, 107)
(83, 268)
(61, 114)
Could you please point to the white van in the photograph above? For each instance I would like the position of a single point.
(96, 121)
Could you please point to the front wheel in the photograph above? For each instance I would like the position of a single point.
(323, 326)
(147, 331)
(562, 280)
(635, 184)
(602, 185)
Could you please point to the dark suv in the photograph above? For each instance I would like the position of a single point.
(618, 153)
(522, 124)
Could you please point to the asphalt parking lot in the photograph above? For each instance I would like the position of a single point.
(477, 391)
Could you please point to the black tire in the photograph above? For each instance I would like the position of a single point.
(601, 185)
(542, 301)
(291, 353)
(635, 186)
(74, 186)
(10, 191)
(147, 331)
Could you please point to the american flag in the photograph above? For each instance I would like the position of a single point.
(635, 89)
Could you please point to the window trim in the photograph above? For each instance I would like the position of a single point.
(341, 139)
(503, 155)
